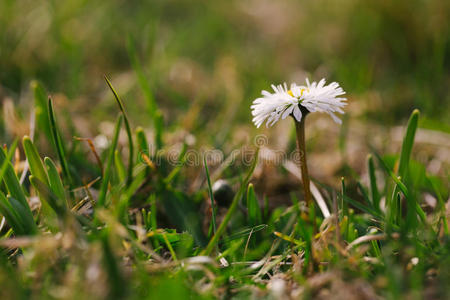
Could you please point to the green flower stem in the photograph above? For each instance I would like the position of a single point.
(300, 130)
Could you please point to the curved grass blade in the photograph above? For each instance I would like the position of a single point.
(108, 169)
(128, 130)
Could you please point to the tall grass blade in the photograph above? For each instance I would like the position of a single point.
(58, 143)
(253, 209)
(373, 183)
(120, 167)
(128, 130)
(41, 109)
(408, 142)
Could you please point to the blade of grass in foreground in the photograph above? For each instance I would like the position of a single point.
(9, 176)
(58, 144)
(108, 169)
(254, 211)
(408, 143)
(373, 183)
(128, 129)
(11, 215)
(16, 212)
(34, 160)
(215, 239)
(55, 182)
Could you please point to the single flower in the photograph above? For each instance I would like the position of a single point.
(314, 97)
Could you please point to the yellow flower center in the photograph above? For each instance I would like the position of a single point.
(292, 94)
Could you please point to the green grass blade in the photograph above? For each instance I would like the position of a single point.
(41, 108)
(142, 141)
(120, 167)
(373, 183)
(58, 143)
(211, 197)
(128, 130)
(108, 170)
(9, 176)
(34, 160)
(11, 215)
(25, 216)
(408, 142)
(6, 161)
(159, 125)
(254, 211)
(54, 179)
(215, 239)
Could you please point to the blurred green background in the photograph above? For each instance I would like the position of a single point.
(390, 56)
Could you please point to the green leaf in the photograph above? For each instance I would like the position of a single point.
(159, 125)
(10, 177)
(25, 216)
(41, 110)
(108, 170)
(11, 215)
(373, 183)
(408, 142)
(128, 130)
(34, 160)
(120, 167)
(253, 209)
(54, 179)
(142, 141)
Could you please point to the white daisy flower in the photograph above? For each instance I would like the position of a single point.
(314, 97)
